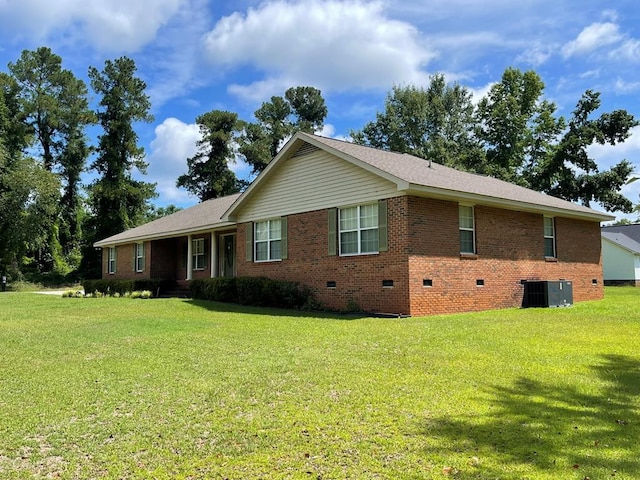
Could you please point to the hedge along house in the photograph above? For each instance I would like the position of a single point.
(386, 232)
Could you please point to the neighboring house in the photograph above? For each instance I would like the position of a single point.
(621, 255)
(388, 232)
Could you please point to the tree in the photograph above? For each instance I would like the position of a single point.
(208, 173)
(154, 213)
(54, 107)
(301, 109)
(117, 201)
(435, 123)
(514, 126)
(571, 174)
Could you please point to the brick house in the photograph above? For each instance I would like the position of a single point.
(388, 232)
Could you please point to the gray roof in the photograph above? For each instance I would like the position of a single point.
(622, 240)
(631, 231)
(412, 175)
(434, 178)
(203, 216)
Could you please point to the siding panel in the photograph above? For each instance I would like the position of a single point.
(311, 182)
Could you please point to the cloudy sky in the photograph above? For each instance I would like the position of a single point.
(198, 55)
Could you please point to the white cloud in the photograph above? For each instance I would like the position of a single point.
(629, 50)
(622, 87)
(592, 38)
(534, 56)
(109, 25)
(175, 141)
(337, 45)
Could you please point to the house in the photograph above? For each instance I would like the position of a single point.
(621, 255)
(388, 232)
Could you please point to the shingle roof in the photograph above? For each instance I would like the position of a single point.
(412, 174)
(631, 231)
(420, 173)
(623, 241)
(206, 215)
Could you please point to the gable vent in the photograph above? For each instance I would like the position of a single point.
(305, 149)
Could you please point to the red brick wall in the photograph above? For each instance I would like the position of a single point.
(424, 244)
(358, 278)
(125, 261)
(510, 248)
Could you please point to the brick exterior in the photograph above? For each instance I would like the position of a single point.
(423, 237)
(424, 245)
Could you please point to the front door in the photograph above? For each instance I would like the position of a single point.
(228, 255)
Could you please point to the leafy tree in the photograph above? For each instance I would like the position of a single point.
(55, 109)
(209, 175)
(117, 201)
(514, 127)
(571, 174)
(435, 123)
(301, 109)
(154, 213)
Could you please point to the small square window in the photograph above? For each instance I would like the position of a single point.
(427, 282)
(387, 283)
(480, 282)
(331, 284)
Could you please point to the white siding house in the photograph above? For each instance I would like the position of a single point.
(620, 258)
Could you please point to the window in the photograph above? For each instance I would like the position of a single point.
(549, 237)
(198, 254)
(467, 229)
(358, 229)
(139, 256)
(268, 240)
(111, 260)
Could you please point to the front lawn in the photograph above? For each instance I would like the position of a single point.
(124, 388)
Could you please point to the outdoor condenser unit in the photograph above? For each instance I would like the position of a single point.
(547, 293)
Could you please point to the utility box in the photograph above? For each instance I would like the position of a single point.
(548, 293)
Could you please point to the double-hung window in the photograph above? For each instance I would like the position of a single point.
(198, 254)
(467, 229)
(359, 229)
(111, 260)
(549, 237)
(268, 240)
(139, 257)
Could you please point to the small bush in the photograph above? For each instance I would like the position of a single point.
(255, 291)
(123, 287)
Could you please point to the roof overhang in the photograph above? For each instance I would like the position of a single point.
(452, 195)
(112, 242)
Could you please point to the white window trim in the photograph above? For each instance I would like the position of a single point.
(198, 253)
(358, 229)
(267, 241)
(552, 237)
(111, 260)
(140, 257)
(467, 229)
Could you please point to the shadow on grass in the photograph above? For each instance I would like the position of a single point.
(271, 311)
(534, 427)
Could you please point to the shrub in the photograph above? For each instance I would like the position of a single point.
(122, 287)
(256, 291)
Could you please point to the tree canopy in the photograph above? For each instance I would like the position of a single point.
(513, 134)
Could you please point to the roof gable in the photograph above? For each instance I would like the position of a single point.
(414, 175)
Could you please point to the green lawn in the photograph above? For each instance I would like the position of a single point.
(121, 388)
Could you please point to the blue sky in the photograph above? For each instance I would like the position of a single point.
(198, 55)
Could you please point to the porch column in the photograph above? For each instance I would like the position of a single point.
(214, 255)
(189, 258)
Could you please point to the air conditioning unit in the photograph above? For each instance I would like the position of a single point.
(547, 293)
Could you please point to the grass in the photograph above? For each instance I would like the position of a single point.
(157, 389)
